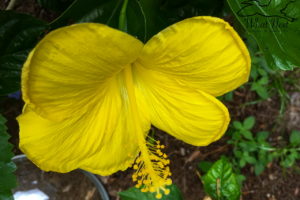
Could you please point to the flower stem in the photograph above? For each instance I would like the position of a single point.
(123, 17)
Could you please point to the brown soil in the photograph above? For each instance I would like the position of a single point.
(274, 183)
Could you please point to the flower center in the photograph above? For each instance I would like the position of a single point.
(152, 171)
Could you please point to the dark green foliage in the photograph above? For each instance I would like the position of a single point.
(254, 148)
(135, 194)
(18, 35)
(275, 25)
(145, 17)
(55, 5)
(220, 182)
(7, 167)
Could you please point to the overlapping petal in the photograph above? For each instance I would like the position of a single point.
(204, 53)
(193, 116)
(77, 113)
(102, 140)
(69, 69)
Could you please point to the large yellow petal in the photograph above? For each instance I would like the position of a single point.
(102, 140)
(202, 52)
(68, 70)
(190, 115)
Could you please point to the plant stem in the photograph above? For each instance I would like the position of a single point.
(123, 17)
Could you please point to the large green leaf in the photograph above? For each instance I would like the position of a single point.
(136, 194)
(56, 5)
(145, 17)
(275, 24)
(101, 11)
(7, 167)
(156, 15)
(295, 138)
(220, 182)
(18, 35)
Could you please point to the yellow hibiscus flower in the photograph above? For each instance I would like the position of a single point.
(92, 92)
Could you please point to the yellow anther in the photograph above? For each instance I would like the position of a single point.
(161, 165)
(158, 196)
(152, 170)
(134, 177)
(167, 191)
(169, 181)
(152, 189)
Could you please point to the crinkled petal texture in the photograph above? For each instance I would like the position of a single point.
(193, 116)
(182, 68)
(67, 72)
(203, 53)
(77, 111)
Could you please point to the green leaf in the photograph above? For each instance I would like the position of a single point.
(220, 182)
(289, 160)
(228, 96)
(204, 166)
(263, 81)
(145, 17)
(276, 27)
(55, 5)
(18, 35)
(100, 11)
(237, 153)
(136, 194)
(254, 73)
(262, 156)
(250, 160)
(248, 146)
(247, 135)
(238, 125)
(258, 168)
(262, 72)
(240, 178)
(7, 167)
(295, 138)
(260, 90)
(160, 14)
(242, 162)
(262, 136)
(249, 123)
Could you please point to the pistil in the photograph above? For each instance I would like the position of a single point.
(152, 170)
